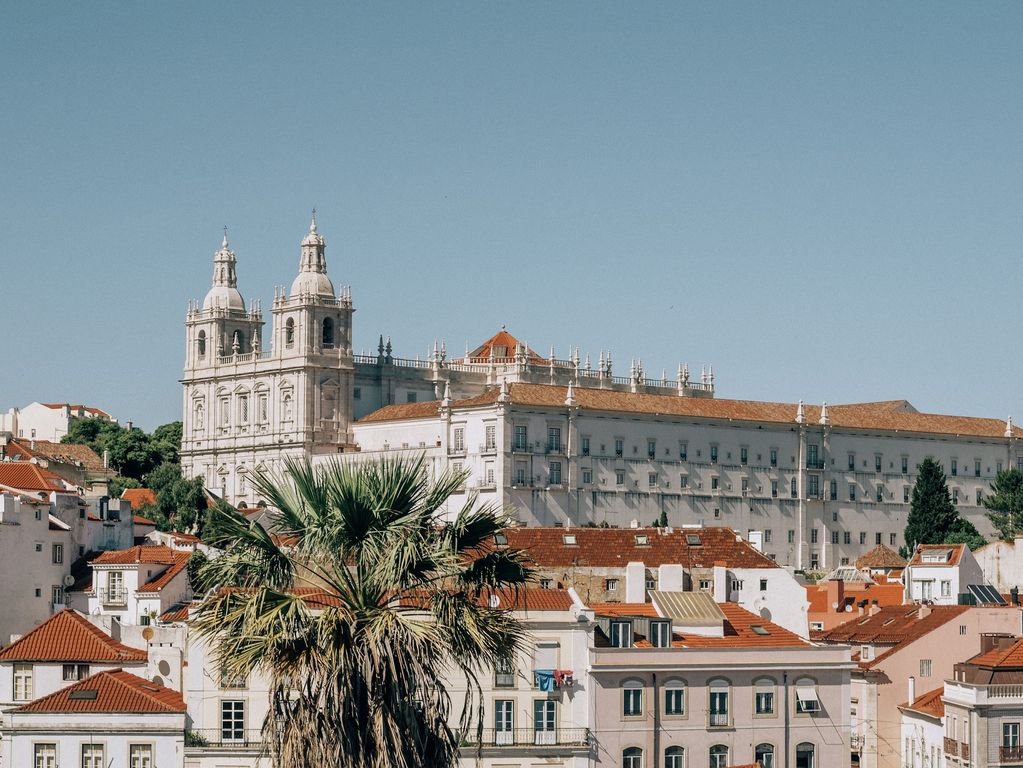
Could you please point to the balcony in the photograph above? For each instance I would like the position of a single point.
(528, 737)
(217, 739)
(856, 741)
(951, 747)
(456, 450)
(487, 448)
(116, 596)
(964, 751)
(718, 720)
(555, 448)
(815, 463)
(1010, 754)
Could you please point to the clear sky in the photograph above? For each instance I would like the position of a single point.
(821, 199)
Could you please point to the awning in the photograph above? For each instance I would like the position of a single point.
(807, 697)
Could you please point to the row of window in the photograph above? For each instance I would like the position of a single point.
(93, 756)
(327, 339)
(719, 693)
(717, 756)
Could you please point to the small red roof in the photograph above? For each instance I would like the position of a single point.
(140, 520)
(955, 554)
(26, 476)
(114, 692)
(175, 613)
(87, 408)
(68, 636)
(140, 553)
(738, 628)
(929, 704)
(503, 345)
(139, 497)
(881, 557)
(1001, 658)
(165, 578)
(885, 594)
(894, 625)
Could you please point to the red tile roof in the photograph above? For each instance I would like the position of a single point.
(885, 594)
(26, 476)
(1001, 658)
(87, 408)
(503, 339)
(929, 704)
(141, 553)
(165, 578)
(954, 558)
(881, 557)
(114, 692)
(63, 453)
(738, 628)
(527, 599)
(175, 613)
(616, 547)
(68, 636)
(139, 497)
(891, 416)
(895, 626)
(140, 520)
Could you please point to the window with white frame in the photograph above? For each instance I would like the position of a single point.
(763, 754)
(763, 696)
(74, 672)
(807, 701)
(22, 682)
(93, 756)
(1010, 734)
(621, 634)
(490, 440)
(232, 720)
(674, 757)
(44, 756)
(660, 633)
(58, 554)
(719, 756)
(504, 721)
(140, 756)
(925, 667)
(632, 757)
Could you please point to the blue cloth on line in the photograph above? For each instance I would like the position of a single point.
(544, 679)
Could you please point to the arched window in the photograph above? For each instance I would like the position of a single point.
(764, 754)
(719, 756)
(807, 702)
(674, 757)
(202, 344)
(674, 698)
(289, 332)
(632, 698)
(805, 754)
(328, 333)
(632, 757)
(719, 702)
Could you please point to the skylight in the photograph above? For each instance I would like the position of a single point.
(692, 539)
(569, 538)
(642, 538)
(759, 629)
(500, 539)
(86, 694)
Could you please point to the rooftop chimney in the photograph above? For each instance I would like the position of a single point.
(635, 583)
(836, 595)
(911, 692)
(720, 582)
(874, 608)
(923, 611)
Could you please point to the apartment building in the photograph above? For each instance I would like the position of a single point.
(137, 585)
(686, 681)
(940, 573)
(48, 421)
(984, 706)
(890, 645)
(839, 598)
(923, 728)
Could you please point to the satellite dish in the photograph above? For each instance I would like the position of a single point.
(848, 609)
(95, 611)
(834, 605)
(69, 580)
(147, 633)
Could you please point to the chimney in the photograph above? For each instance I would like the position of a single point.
(106, 458)
(1014, 595)
(991, 640)
(874, 608)
(836, 595)
(911, 692)
(923, 611)
(720, 582)
(861, 605)
(635, 583)
(127, 425)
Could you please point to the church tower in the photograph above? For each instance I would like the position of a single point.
(312, 333)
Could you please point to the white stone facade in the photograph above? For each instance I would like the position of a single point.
(47, 421)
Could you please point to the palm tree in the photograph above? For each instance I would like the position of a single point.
(358, 606)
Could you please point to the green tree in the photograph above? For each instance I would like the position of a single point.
(167, 441)
(95, 433)
(932, 515)
(179, 502)
(118, 485)
(132, 453)
(965, 532)
(1005, 503)
(397, 597)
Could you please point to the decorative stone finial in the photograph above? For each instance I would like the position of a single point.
(570, 396)
(312, 224)
(446, 402)
(503, 396)
(1008, 427)
(824, 414)
(801, 413)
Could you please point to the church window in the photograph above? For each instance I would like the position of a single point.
(202, 344)
(263, 406)
(289, 333)
(225, 411)
(243, 409)
(328, 333)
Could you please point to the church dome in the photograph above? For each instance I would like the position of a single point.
(312, 282)
(224, 296)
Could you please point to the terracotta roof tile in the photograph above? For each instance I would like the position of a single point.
(928, 704)
(68, 636)
(1004, 658)
(26, 476)
(165, 578)
(141, 553)
(492, 348)
(63, 453)
(87, 408)
(140, 520)
(177, 612)
(881, 557)
(116, 692)
(885, 594)
(615, 547)
(888, 415)
(738, 628)
(895, 626)
(955, 555)
(139, 497)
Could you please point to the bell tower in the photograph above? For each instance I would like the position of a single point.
(312, 332)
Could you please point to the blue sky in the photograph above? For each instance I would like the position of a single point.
(821, 199)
